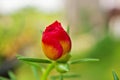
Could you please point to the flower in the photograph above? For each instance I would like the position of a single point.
(56, 43)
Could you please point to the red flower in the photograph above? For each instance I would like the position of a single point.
(55, 41)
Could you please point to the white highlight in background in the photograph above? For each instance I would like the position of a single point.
(8, 6)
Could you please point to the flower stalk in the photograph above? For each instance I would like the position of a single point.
(47, 71)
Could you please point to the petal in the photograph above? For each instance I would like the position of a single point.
(51, 48)
(66, 45)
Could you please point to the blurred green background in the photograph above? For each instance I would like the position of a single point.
(91, 34)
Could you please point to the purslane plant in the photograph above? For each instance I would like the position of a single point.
(56, 45)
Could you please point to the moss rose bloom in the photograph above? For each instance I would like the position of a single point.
(56, 43)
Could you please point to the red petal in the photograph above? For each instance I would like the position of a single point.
(51, 48)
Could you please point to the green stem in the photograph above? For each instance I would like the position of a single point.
(47, 71)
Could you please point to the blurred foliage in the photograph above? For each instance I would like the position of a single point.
(20, 33)
(106, 49)
(21, 29)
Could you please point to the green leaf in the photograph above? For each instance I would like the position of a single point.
(68, 29)
(36, 65)
(83, 60)
(33, 59)
(41, 31)
(65, 76)
(12, 76)
(35, 72)
(115, 75)
(3, 78)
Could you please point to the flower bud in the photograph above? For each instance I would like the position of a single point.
(62, 67)
(56, 43)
